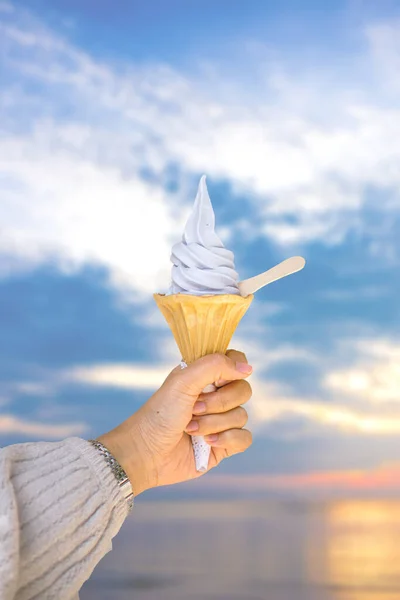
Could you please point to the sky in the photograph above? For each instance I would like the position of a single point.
(109, 114)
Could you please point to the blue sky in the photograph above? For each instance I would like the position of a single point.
(109, 114)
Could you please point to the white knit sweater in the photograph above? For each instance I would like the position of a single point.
(60, 507)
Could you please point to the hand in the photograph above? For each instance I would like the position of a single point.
(154, 445)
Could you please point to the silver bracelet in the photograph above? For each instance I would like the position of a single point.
(122, 478)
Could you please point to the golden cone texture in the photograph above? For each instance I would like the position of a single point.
(202, 324)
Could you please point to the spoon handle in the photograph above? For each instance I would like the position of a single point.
(286, 267)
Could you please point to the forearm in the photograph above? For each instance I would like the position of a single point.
(66, 504)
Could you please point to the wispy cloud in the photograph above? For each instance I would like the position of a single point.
(126, 376)
(263, 357)
(273, 403)
(31, 387)
(374, 376)
(379, 480)
(358, 294)
(10, 424)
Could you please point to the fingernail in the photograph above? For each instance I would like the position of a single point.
(211, 438)
(199, 408)
(244, 368)
(193, 426)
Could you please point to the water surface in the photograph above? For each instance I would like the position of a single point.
(342, 550)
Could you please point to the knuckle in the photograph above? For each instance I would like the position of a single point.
(217, 360)
(229, 437)
(204, 425)
(238, 441)
(244, 388)
(243, 416)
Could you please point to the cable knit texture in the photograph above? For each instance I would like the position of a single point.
(60, 507)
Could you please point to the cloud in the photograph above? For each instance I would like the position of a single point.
(359, 294)
(100, 161)
(361, 398)
(262, 356)
(94, 185)
(126, 376)
(382, 479)
(273, 403)
(374, 377)
(10, 424)
(79, 212)
(383, 38)
(31, 387)
(276, 401)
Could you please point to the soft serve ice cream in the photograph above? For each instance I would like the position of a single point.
(201, 264)
(203, 305)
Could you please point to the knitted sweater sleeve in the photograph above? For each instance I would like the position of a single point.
(60, 507)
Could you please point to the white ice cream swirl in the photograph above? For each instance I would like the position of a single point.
(201, 264)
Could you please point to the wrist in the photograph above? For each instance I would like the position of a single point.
(125, 445)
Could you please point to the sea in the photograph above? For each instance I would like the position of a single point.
(251, 550)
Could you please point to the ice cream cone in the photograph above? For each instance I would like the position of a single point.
(202, 325)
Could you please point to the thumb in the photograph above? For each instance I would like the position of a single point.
(192, 380)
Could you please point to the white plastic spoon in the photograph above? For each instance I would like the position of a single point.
(286, 267)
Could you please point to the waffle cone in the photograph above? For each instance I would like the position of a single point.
(202, 324)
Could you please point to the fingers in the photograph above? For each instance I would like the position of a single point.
(233, 419)
(231, 442)
(214, 367)
(225, 398)
(219, 415)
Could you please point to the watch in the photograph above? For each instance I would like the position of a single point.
(122, 479)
